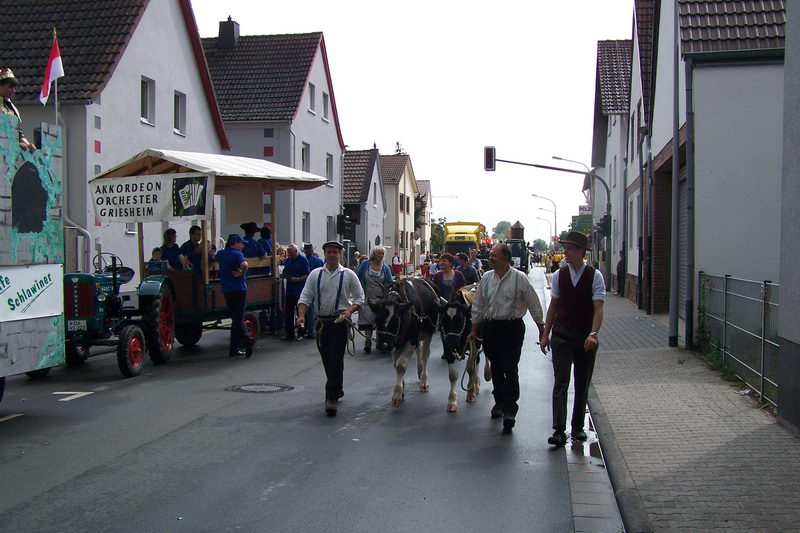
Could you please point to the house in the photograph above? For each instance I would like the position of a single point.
(612, 93)
(363, 197)
(424, 231)
(277, 102)
(135, 78)
(400, 187)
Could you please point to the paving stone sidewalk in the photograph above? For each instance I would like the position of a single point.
(702, 456)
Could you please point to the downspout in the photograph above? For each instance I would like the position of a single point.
(689, 326)
(650, 220)
(674, 241)
(624, 232)
(642, 247)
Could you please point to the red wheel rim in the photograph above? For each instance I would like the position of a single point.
(250, 325)
(166, 325)
(135, 352)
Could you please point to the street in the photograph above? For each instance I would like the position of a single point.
(173, 450)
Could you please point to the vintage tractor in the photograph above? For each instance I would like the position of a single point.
(97, 315)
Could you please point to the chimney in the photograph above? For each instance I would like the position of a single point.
(228, 34)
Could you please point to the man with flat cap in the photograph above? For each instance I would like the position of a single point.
(8, 86)
(334, 292)
(574, 317)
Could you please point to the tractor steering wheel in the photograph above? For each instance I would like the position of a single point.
(100, 263)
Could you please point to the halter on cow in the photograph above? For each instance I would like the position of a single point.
(456, 322)
(405, 319)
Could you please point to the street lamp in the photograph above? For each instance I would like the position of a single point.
(555, 215)
(555, 224)
(551, 228)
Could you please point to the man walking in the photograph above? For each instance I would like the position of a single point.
(503, 297)
(334, 292)
(295, 270)
(574, 316)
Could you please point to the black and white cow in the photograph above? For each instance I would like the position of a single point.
(405, 320)
(455, 324)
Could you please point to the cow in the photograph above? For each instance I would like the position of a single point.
(455, 325)
(405, 319)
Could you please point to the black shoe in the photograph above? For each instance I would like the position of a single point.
(330, 407)
(248, 351)
(579, 434)
(558, 439)
(367, 345)
(509, 421)
(497, 411)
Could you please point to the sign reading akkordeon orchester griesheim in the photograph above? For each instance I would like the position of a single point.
(31, 291)
(155, 198)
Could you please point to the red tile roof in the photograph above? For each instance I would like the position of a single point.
(92, 36)
(645, 13)
(614, 75)
(732, 26)
(423, 187)
(357, 175)
(392, 167)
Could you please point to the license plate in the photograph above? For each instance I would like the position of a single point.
(76, 325)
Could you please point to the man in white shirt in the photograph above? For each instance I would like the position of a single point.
(335, 292)
(503, 297)
(575, 316)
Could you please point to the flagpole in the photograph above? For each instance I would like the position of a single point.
(55, 36)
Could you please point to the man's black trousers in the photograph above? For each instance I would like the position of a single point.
(502, 343)
(568, 352)
(332, 343)
(290, 303)
(236, 303)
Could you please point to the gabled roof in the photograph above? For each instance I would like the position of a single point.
(423, 187)
(614, 75)
(710, 26)
(357, 175)
(392, 167)
(263, 77)
(645, 13)
(92, 36)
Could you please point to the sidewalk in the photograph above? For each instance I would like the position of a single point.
(686, 451)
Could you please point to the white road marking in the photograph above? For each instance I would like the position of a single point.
(74, 396)
(9, 417)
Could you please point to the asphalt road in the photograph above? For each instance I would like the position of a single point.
(172, 450)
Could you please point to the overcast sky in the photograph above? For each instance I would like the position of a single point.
(445, 78)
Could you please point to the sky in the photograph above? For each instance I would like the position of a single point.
(446, 78)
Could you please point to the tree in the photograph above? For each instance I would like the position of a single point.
(420, 203)
(502, 230)
(437, 235)
(539, 245)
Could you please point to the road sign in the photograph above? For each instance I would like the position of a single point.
(582, 223)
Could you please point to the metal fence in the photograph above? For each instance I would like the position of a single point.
(739, 320)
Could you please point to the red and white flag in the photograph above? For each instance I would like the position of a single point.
(53, 71)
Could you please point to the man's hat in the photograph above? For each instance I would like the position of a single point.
(332, 244)
(233, 238)
(578, 239)
(249, 227)
(8, 74)
(308, 246)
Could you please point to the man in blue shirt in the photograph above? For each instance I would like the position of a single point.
(170, 251)
(233, 279)
(295, 271)
(266, 240)
(314, 261)
(190, 252)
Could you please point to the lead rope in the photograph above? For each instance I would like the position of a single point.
(474, 351)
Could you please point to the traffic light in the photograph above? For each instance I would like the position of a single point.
(488, 158)
(604, 225)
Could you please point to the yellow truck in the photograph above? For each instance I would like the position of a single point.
(463, 236)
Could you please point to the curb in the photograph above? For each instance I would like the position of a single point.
(631, 506)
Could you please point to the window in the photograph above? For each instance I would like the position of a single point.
(331, 225)
(374, 194)
(408, 204)
(97, 170)
(98, 122)
(402, 202)
(305, 157)
(269, 132)
(306, 226)
(267, 199)
(179, 113)
(312, 98)
(631, 136)
(130, 228)
(325, 105)
(148, 101)
(329, 168)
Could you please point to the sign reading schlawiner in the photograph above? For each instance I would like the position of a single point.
(31, 291)
(156, 198)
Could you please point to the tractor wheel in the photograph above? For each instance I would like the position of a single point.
(252, 325)
(159, 317)
(189, 334)
(131, 350)
(76, 354)
(39, 373)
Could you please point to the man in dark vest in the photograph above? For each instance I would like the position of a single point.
(574, 316)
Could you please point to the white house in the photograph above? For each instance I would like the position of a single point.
(363, 198)
(424, 232)
(136, 78)
(400, 186)
(277, 103)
